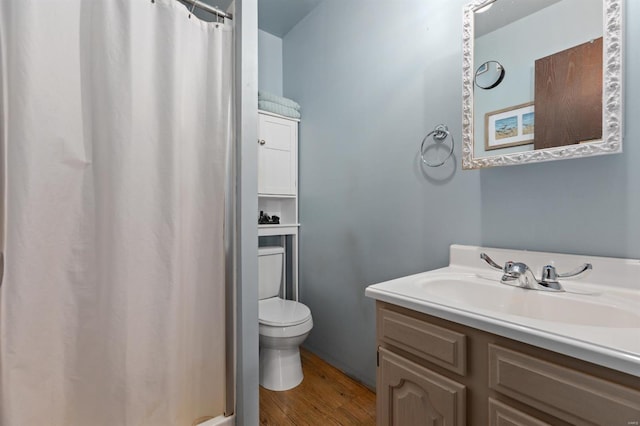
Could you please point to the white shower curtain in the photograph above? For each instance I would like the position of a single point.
(116, 128)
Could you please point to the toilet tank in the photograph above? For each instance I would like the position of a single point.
(270, 262)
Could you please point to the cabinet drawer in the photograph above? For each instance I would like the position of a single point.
(568, 394)
(503, 415)
(409, 394)
(438, 345)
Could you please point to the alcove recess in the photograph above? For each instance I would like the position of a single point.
(278, 185)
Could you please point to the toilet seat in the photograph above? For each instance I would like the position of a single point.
(278, 312)
(285, 332)
(281, 318)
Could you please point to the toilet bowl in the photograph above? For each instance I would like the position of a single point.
(283, 325)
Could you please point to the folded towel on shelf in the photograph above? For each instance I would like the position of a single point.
(270, 97)
(278, 109)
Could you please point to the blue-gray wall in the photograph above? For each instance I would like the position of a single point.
(373, 78)
(269, 63)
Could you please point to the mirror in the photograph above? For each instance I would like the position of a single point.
(561, 97)
(489, 75)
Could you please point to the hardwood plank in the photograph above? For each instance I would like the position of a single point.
(326, 396)
(271, 412)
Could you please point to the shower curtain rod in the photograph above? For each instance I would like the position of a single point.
(208, 8)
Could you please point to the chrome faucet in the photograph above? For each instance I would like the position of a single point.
(522, 276)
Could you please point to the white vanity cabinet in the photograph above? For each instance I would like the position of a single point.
(278, 182)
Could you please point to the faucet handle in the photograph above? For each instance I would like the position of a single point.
(584, 268)
(490, 261)
(510, 267)
(549, 273)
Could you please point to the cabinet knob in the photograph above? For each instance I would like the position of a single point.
(261, 141)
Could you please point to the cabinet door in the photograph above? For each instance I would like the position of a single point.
(277, 155)
(409, 394)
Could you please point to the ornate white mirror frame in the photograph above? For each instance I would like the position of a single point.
(611, 142)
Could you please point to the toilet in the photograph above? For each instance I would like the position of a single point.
(283, 325)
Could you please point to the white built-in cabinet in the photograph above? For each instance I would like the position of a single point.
(278, 182)
(277, 155)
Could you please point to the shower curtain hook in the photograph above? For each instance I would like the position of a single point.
(193, 6)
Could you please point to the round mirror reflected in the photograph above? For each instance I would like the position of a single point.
(489, 75)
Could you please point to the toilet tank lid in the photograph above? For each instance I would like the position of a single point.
(265, 251)
(280, 313)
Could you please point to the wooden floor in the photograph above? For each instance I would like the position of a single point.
(325, 397)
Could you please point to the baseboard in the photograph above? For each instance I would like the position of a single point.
(220, 421)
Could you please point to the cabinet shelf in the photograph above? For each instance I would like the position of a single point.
(284, 208)
(276, 196)
(281, 229)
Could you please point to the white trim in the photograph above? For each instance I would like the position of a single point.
(273, 114)
(220, 421)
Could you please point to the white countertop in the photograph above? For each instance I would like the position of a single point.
(592, 321)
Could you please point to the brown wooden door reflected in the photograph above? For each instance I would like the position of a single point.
(568, 96)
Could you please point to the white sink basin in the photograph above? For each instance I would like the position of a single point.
(596, 320)
(595, 309)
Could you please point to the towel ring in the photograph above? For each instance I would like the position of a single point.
(440, 134)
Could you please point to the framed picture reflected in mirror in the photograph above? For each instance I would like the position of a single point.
(513, 126)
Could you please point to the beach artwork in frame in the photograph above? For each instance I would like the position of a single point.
(507, 127)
